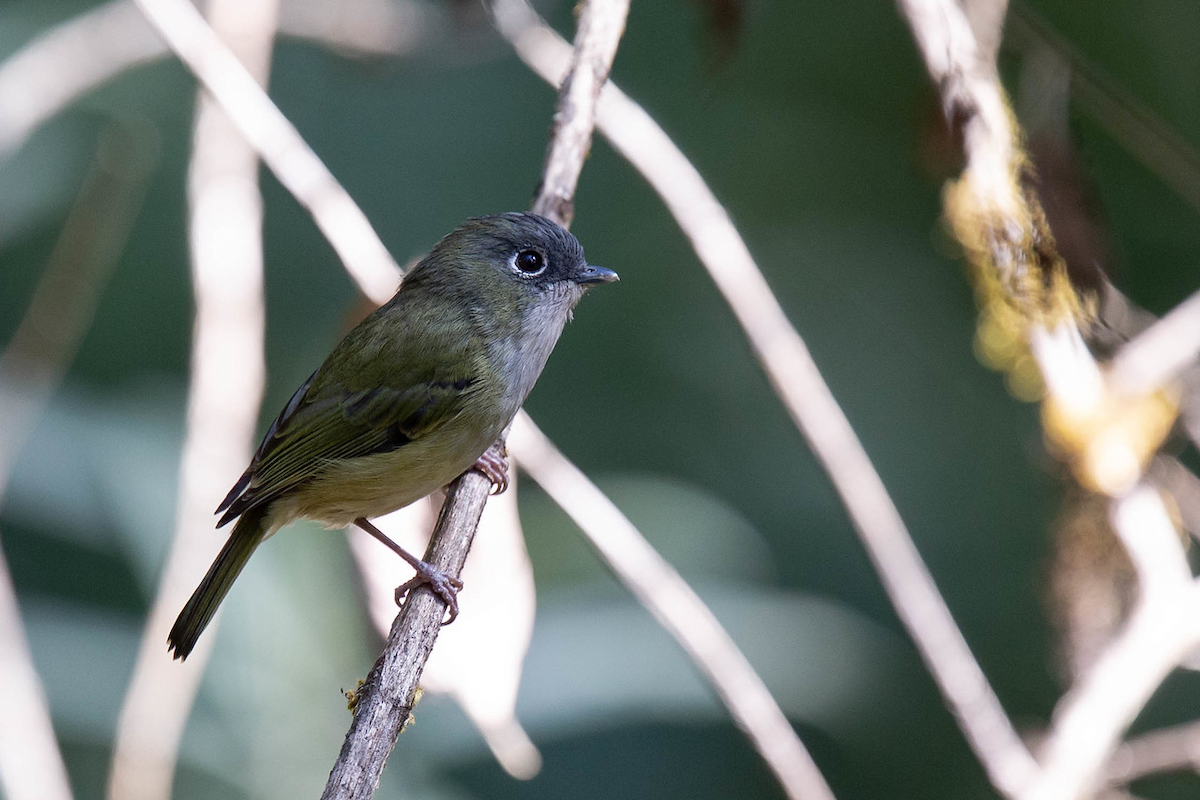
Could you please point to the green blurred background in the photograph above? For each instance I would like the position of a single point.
(815, 124)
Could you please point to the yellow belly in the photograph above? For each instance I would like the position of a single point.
(374, 485)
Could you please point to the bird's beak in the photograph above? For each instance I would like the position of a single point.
(594, 274)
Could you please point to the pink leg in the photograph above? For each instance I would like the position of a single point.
(443, 585)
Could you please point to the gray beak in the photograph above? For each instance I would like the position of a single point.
(594, 274)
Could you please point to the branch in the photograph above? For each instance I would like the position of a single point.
(228, 373)
(1162, 631)
(1168, 750)
(279, 145)
(677, 608)
(1106, 435)
(388, 695)
(799, 385)
(32, 367)
(1158, 354)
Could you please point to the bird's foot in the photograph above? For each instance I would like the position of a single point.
(442, 584)
(494, 464)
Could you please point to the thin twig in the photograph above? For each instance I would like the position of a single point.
(798, 383)
(1171, 749)
(676, 607)
(388, 695)
(228, 375)
(1160, 353)
(479, 659)
(31, 369)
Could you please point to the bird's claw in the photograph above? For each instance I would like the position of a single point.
(443, 585)
(494, 464)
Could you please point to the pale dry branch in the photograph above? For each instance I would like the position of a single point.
(65, 62)
(31, 765)
(677, 608)
(1158, 354)
(1172, 749)
(388, 695)
(798, 383)
(228, 373)
(1162, 631)
(279, 145)
(32, 367)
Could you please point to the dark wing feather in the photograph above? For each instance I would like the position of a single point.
(263, 446)
(375, 405)
(352, 425)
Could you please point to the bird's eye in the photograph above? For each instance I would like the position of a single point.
(529, 262)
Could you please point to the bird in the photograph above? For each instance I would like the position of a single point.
(411, 398)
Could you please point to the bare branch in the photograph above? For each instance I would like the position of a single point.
(388, 695)
(1162, 631)
(31, 369)
(1167, 750)
(479, 659)
(798, 383)
(1161, 352)
(228, 375)
(677, 608)
(1001, 226)
(279, 145)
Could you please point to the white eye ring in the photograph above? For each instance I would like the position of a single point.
(528, 263)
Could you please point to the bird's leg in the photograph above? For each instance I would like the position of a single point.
(445, 586)
(494, 464)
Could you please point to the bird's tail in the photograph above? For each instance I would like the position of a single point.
(247, 534)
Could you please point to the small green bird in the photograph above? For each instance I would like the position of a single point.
(410, 399)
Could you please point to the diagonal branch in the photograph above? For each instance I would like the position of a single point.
(65, 62)
(278, 143)
(677, 608)
(387, 697)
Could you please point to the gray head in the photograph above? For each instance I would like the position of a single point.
(514, 253)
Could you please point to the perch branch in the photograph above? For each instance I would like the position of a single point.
(388, 694)
(799, 385)
(1163, 629)
(226, 387)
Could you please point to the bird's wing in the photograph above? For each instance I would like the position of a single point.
(328, 420)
